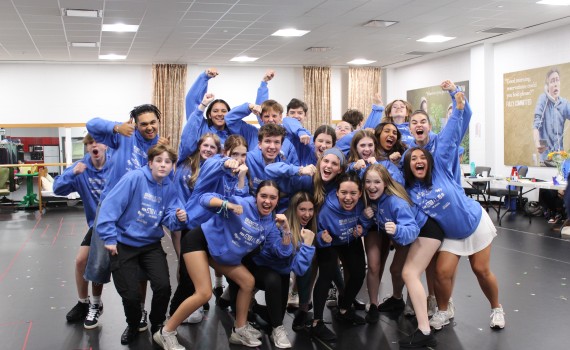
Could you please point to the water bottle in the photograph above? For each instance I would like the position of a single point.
(473, 169)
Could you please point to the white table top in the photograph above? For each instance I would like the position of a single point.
(519, 183)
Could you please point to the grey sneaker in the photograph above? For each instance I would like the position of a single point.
(279, 337)
(195, 317)
(451, 308)
(253, 331)
(243, 337)
(431, 305)
(167, 342)
(439, 319)
(498, 318)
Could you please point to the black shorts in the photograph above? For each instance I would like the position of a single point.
(431, 229)
(87, 239)
(193, 241)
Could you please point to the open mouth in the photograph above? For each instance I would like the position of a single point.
(419, 131)
(390, 141)
(420, 168)
(95, 152)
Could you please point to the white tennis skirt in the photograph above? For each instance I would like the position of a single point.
(476, 242)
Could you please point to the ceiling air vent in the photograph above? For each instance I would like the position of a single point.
(498, 30)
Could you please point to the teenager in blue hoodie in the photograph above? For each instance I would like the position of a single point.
(130, 223)
(390, 142)
(272, 268)
(418, 238)
(87, 177)
(323, 139)
(338, 237)
(468, 229)
(241, 226)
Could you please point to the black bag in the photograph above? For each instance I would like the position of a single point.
(533, 208)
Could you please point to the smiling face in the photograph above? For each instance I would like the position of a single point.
(160, 166)
(305, 212)
(373, 185)
(266, 200)
(217, 115)
(388, 137)
(330, 167)
(322, 143)
(554, 85)
(270, 147)
(419, 164)
(147, 125)
(208, 148)
(348, 195)
(238, 153)
(297, 113)
(365, 148)
(420, 128)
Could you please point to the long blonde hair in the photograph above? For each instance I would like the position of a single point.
(294, 222)
(194, 160)
(391, 187)
(319, 185)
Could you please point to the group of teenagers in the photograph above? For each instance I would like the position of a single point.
(261, 204)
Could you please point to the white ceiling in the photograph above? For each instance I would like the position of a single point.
(211, 32)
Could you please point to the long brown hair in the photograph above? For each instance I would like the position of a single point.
(319, 185)
(294, 222)
(359, 135)
(391, 187)
(194, 160)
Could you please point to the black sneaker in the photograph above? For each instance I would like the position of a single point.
(300, 320)
(418, 340)
(322, 332)
(350, 317)
(129, 335)
(222, 303)
(92, 319)
(359, 305)
(392, 305)
(206, 306)
(78, 312)
(143, 324)
(373, 315)
(218, 291)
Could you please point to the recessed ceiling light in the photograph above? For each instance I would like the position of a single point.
(244, 59)
(84, 44)
(379, 23)
(436, 39)
(81, 13)
(120, 27)
(360, 61)
(290, 32)
(554, 2)
(112, 56)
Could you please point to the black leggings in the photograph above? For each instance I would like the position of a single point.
(276, 287)
(352, 258)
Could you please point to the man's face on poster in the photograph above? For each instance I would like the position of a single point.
(554, 85)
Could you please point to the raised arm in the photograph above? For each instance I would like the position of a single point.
(196, 126)
(375, 114)
(198, 90)
(236, 124)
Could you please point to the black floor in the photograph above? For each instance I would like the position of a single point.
(37, 289)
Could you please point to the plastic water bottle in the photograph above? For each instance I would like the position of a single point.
(473, 169)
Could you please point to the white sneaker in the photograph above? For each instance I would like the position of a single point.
(243, 337)
(439, 319)
(293, 300)
(498, 318)
(253, 331)
(167, 342)
(409, 308)
(332, 299)
(431, 305)
(279, 337)
(565, 231)
(195, 317)
(451, 308)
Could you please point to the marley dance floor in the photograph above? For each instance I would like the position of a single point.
(37, 289)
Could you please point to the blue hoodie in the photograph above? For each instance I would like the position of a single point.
(182, 174)
(89, 184)
(214, 177)
(129, 153)
(288, 178)
(195, 128)
(283, 258)
(250, 133)
(339, 222)
(233, 237)
(445, 201)
(408, 219)
(256, 167)
(136, 208)
(392, 169)
(196, 93)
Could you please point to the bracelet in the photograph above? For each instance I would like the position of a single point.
(205, 106)
(223, 209)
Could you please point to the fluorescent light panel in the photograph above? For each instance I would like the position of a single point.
(360, 61)
(112, 56)
(120, 28)
(244, 59)
(84, 44)
(379, 23)
(82, 13)
(554, 2)
(290, 32)
(436, 39)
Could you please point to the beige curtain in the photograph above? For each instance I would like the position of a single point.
(317, 96)
(363, 84)
(169, 91)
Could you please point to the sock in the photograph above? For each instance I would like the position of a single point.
(239, 328)
(425, 332)
(167, 333)
(84, 301)
(218, 282)
(142, 306)
(97, 300)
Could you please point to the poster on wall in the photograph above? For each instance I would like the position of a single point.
(535, 115)
(437, 104)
